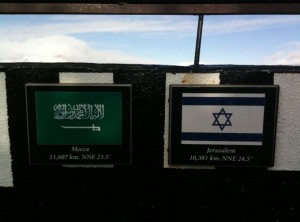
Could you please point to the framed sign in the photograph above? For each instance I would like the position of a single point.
(223, 125)
(79, 123)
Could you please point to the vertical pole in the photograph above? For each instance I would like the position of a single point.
(198, 40)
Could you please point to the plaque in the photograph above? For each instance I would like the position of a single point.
(223, 125)
(79, 123)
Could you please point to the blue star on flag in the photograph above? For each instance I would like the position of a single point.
(221, 124)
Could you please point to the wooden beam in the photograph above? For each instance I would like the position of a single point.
(124, 8)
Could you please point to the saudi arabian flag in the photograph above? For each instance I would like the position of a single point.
(222, 118)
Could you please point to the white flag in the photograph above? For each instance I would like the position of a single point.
(222, 118)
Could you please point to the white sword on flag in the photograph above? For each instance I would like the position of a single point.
(93, 127)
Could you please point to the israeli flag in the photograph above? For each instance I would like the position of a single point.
(222, 118)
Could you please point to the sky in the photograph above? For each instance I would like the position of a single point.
(150, 39)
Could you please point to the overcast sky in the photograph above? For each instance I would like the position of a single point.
(145, 39)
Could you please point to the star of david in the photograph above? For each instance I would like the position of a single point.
(221, 123)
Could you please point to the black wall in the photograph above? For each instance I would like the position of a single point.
(144, 191)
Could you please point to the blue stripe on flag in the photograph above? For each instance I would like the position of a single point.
(228, 101)
(254, 137)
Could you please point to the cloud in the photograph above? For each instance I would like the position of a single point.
(100, 24)
(62, 38)
(61, 48)
(177, 26)
(246, 24)
(185, 63)
(49, 39)
(289, 55)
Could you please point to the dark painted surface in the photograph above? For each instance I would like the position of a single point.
(246, 78)
(154, 1)
(148, 117)
(144, 191)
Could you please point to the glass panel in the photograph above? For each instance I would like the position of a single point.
(129, 39)
(251, 39)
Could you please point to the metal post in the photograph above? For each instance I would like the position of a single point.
(198, 40)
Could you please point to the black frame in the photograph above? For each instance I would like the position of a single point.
(187, 154)
(105, 154)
